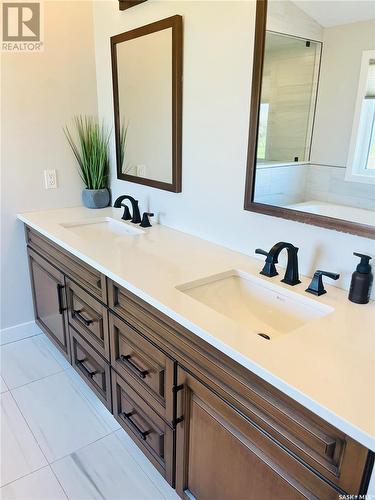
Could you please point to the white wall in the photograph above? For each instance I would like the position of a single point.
(40, 94)
(341, 61)
(286, 17)
(218, 45)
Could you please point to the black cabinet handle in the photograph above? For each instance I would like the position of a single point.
(133, 367)
(142, 434)
(81, 318)
(176, 420)
(80, 363)
(59, 297)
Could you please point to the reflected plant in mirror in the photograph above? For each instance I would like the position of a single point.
(147, 74)
(311, 153)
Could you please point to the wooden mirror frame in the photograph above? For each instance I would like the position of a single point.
(174, 22)
(262, 208)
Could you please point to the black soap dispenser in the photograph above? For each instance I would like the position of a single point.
(360, 286)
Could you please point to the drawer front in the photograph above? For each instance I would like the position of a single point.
(146, 428)
(142, 365)
(89, 317)
(92, 368)
(91, 279)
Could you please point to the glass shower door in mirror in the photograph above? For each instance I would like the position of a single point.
(288, 98)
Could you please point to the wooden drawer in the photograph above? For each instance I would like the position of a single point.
(91, 279)
(142, 365)
(321, 446)
(92, 368)
(89, 317)
(146, 428)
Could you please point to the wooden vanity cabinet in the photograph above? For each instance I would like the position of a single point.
(211, 427)
(48, 289)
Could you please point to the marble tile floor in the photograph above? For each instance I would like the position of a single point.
(58, 440)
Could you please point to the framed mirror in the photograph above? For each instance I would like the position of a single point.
(147, 96)
(311, 152)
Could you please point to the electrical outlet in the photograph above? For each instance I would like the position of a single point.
(50, 179)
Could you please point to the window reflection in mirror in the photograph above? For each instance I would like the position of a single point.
(315, 148)
(361, 163)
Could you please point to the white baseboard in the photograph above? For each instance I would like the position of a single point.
(19, 332)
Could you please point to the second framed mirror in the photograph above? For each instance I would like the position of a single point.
(311, 154)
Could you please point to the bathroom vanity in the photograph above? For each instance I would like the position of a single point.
(218, 410)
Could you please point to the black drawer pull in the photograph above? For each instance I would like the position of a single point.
(81, 318)
(99, 284)
(59, 297)
(133, 367)
(80, 363)
(142, 434)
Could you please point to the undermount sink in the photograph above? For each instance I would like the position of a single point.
(263, 307)
(101, 227)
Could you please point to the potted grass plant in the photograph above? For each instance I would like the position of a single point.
(90, 149)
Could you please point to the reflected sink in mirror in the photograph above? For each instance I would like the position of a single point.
(254, 303)
(101, 228)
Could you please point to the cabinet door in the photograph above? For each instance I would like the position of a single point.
(222, 455)
(49, 301)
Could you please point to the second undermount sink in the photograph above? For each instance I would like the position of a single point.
(265, 308)
(101, 227)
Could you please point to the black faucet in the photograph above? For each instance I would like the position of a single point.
(136, 219)
(291, 274)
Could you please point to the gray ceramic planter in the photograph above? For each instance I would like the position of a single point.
(95, 198)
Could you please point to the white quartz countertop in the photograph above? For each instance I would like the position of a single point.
(327, 365)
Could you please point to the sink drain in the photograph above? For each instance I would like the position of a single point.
(264, 335)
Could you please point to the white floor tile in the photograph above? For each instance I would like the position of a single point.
(146, 465)
(104, 470)
(98, 407)
(20, 453)
(40, 485)
(27, 360)
(19, 332)
(63, 362)
(3, 386)
(60, 417)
